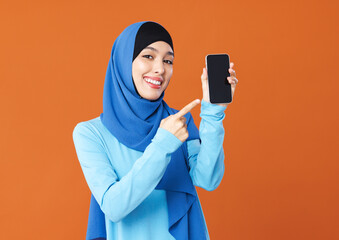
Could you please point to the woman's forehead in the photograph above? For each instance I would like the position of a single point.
(160, 47)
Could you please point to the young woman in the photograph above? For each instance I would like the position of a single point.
(141, 158)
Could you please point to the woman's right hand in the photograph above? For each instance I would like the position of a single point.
(176, 123)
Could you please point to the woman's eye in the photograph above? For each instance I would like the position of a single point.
(168, 61)
(148, 56)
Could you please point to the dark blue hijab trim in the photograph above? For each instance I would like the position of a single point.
(134, 122)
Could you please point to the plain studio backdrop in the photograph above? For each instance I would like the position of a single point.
(281, 142)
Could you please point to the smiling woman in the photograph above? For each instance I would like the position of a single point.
(141, 158)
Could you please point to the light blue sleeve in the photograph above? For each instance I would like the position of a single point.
(118, 197)
(206, 159)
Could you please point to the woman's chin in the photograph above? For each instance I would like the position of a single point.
(151, 96)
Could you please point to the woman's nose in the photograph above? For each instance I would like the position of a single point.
(158, 67)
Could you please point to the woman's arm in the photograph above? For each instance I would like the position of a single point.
(206, 160)
(118, 197)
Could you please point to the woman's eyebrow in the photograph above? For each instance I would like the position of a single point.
(156, 50)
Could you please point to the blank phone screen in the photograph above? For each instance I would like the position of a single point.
(217, 70)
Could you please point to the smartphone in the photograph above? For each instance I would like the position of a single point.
(217, 70)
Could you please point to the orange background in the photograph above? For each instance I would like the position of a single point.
(281, 143)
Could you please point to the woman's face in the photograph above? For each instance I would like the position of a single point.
(152, 70)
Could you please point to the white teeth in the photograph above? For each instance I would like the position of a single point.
(152, 81)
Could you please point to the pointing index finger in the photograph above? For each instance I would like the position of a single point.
(187, 108)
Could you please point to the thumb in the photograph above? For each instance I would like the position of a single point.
(204, 75)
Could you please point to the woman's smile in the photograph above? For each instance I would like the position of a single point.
(153, 82)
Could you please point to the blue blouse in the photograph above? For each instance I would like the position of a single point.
(123, 180)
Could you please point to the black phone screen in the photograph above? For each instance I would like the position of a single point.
(217, 71)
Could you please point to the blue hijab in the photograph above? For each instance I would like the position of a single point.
(134, 122)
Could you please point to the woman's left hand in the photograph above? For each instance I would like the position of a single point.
(231, 79)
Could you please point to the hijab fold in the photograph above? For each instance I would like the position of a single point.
(134, 121)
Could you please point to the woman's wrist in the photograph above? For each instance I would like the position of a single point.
(166, 140)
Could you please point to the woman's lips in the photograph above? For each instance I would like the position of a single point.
(153, 82)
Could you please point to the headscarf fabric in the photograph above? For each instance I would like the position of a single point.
(134, 122)
(149, 33)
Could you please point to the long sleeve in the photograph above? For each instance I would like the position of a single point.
(116, 196)
(206, 159)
